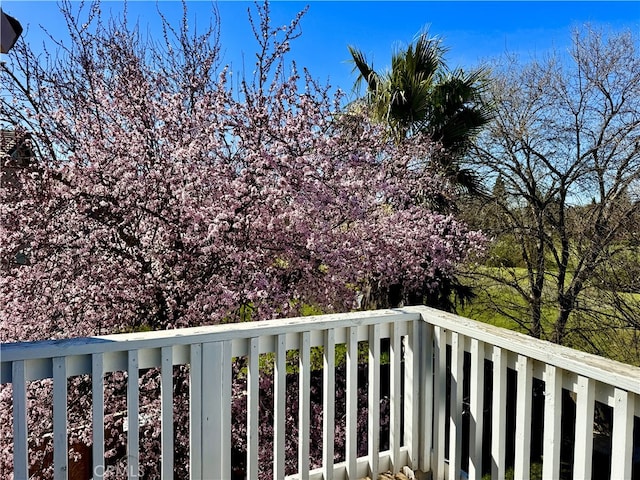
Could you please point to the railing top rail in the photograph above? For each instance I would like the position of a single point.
(10, 352)
(601, 369)
(598, 368)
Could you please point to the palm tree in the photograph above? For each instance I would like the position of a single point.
(419, 94)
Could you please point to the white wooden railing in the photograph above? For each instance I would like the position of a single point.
(429, 349)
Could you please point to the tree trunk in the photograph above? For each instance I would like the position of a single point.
(536, 315)
(566, 306)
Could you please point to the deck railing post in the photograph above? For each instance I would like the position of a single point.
(476, 409)
(440, 399)
(328, 403)
(60, 423)
(622, 434)
(210, 406)
(394, 407)
(20, 442)
(166, 388)
(195, 411)
(552, 422)
(455, 420)
(253, 396)
(425, 400)
(279, 405)
(498, 407)
(523, 413)
(97, 389)
(374, 400)
(585, 406)
(412, 381)
(213, 408)
(133, 416)
(304, 404)
(351, 436)
(225, 410)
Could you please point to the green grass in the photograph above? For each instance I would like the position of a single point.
(535, 473)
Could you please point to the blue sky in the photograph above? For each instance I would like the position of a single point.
(473, 31)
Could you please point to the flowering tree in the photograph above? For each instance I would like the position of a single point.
(160, 197)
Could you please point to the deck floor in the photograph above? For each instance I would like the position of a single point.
(405, 474)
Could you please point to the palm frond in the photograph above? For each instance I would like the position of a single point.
(366, 72)
(420, 95)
